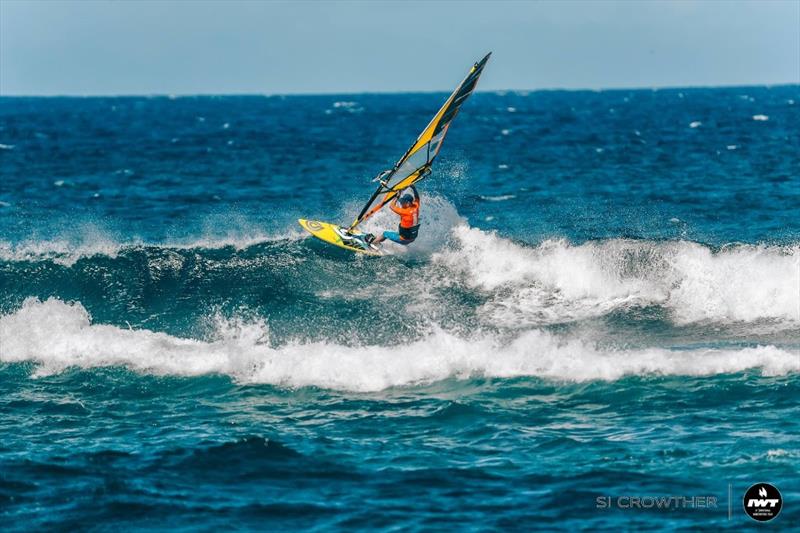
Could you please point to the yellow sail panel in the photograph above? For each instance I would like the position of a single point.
(427, 145)
(427, 133)
(430, 129)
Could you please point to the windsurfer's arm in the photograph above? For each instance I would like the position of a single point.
(405, 210)
(394, 207)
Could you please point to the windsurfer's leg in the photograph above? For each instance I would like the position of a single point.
(391, 235)
(395, 237)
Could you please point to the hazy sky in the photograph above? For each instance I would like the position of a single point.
(183, 47)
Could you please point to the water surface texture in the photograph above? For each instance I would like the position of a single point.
(604, 302)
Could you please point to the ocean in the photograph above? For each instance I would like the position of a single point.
(603, 307)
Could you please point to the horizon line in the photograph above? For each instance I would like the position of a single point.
(314, 93)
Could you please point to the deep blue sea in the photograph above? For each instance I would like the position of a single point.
(604, 302)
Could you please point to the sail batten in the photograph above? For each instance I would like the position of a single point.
(416, 162)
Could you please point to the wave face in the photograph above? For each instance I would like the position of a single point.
(604, 300)
(284, 314)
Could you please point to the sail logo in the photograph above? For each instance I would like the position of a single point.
(762, 502)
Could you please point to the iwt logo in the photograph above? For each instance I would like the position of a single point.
(762, 502)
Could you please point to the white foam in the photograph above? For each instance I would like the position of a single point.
(760, 118)
(498, 198)
(739, 283)
(236, 239)
(349, 106)
(57, 335)
(557, 281)
(695, 124)
(87, 241)
(90, 241)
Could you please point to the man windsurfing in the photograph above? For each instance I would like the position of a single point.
(413, 166)
(408, 209)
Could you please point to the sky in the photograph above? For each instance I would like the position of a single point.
(115, 47)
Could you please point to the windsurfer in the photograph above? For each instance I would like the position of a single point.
(408, 209)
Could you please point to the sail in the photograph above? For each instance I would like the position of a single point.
(416, 162)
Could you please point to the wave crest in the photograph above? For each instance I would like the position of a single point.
(59, 335)
(558, 281)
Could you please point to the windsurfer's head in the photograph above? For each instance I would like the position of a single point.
(406, 200)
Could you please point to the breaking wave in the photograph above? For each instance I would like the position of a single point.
(557, 281)
(465, 302)
(58, 335)
(515, 285)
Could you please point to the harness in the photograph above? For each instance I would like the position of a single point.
(408, 234)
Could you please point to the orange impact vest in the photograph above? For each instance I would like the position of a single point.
(409, 216)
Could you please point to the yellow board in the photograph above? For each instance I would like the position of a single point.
(338, 236)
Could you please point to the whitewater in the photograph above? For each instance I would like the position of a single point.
(741, 288)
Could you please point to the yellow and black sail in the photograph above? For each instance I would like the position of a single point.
(416, 162)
